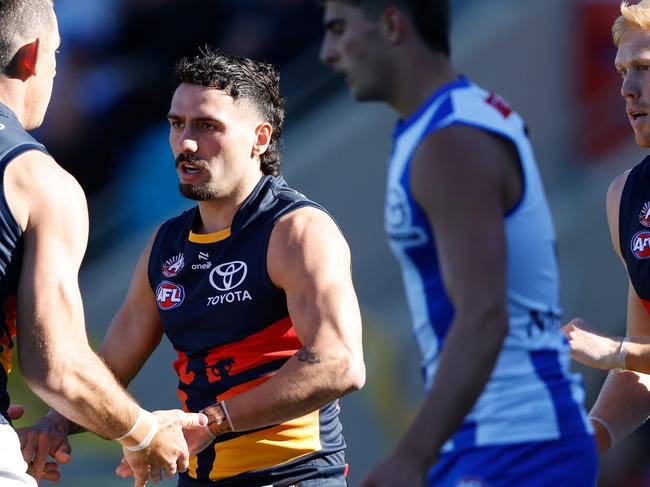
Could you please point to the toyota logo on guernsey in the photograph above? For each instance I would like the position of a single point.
(226, 278)
(640, 244)
(169, 295)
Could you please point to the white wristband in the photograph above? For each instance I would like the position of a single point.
(608, 428)
(135, 425)
(623, 353)
(147, 439)
(225, 411)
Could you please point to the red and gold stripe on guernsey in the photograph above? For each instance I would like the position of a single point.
(271, 446)
(8, 333)
(274, 342)
(264, 449)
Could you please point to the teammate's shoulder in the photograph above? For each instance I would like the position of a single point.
(39, 170)
(618, 183)
(615, 192)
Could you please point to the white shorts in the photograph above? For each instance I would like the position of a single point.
(13, 469)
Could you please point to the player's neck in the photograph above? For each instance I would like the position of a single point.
(14, 97)
(217, 214)
(419, 78)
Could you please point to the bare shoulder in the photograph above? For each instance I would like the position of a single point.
(615, 190)
(305, 241)
(462, 160)
(303, 222)
(613, 202)
(457, 153)
(35, 184)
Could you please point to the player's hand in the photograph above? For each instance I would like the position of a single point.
(591, 347)
(197, 440)
(47, 437)
(168, 452)
(397, 470)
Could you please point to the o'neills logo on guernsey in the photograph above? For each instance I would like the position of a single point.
(169, 295)
(640, 244)
(226, 278)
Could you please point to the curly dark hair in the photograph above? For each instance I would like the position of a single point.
(21, 19)
(239, 77)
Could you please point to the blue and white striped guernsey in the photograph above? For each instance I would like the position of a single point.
(531, 395)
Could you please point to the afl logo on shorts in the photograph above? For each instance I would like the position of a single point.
(169, 295)
(640, 244)
(644, 216)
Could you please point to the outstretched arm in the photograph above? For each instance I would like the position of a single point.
(601, 351)
(55, 358)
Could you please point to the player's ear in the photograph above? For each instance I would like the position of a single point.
(24, 63)
(263, 132)
(393, 24)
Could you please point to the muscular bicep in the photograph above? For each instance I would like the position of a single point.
(52, 208)
(309, 259)
(136, 329)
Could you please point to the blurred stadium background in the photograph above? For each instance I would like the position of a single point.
(552, 59)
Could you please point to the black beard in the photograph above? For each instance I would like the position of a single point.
(196, 193)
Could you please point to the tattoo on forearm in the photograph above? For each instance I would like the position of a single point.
(305, 354)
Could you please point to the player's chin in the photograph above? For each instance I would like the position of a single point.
(642, 138)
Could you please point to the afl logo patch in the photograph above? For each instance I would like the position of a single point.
(640, 245)
(644, 216)
(228, 276)
(173, 266)
(169, 295)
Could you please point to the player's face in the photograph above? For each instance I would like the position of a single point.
(633, 64)
(352, 46)
(45, 72)
(212, 138)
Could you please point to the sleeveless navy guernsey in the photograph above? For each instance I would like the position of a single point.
(13, 142)
(634, 229)
(231, 329)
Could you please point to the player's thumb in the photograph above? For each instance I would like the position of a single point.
(194, 420)
(63, 453)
